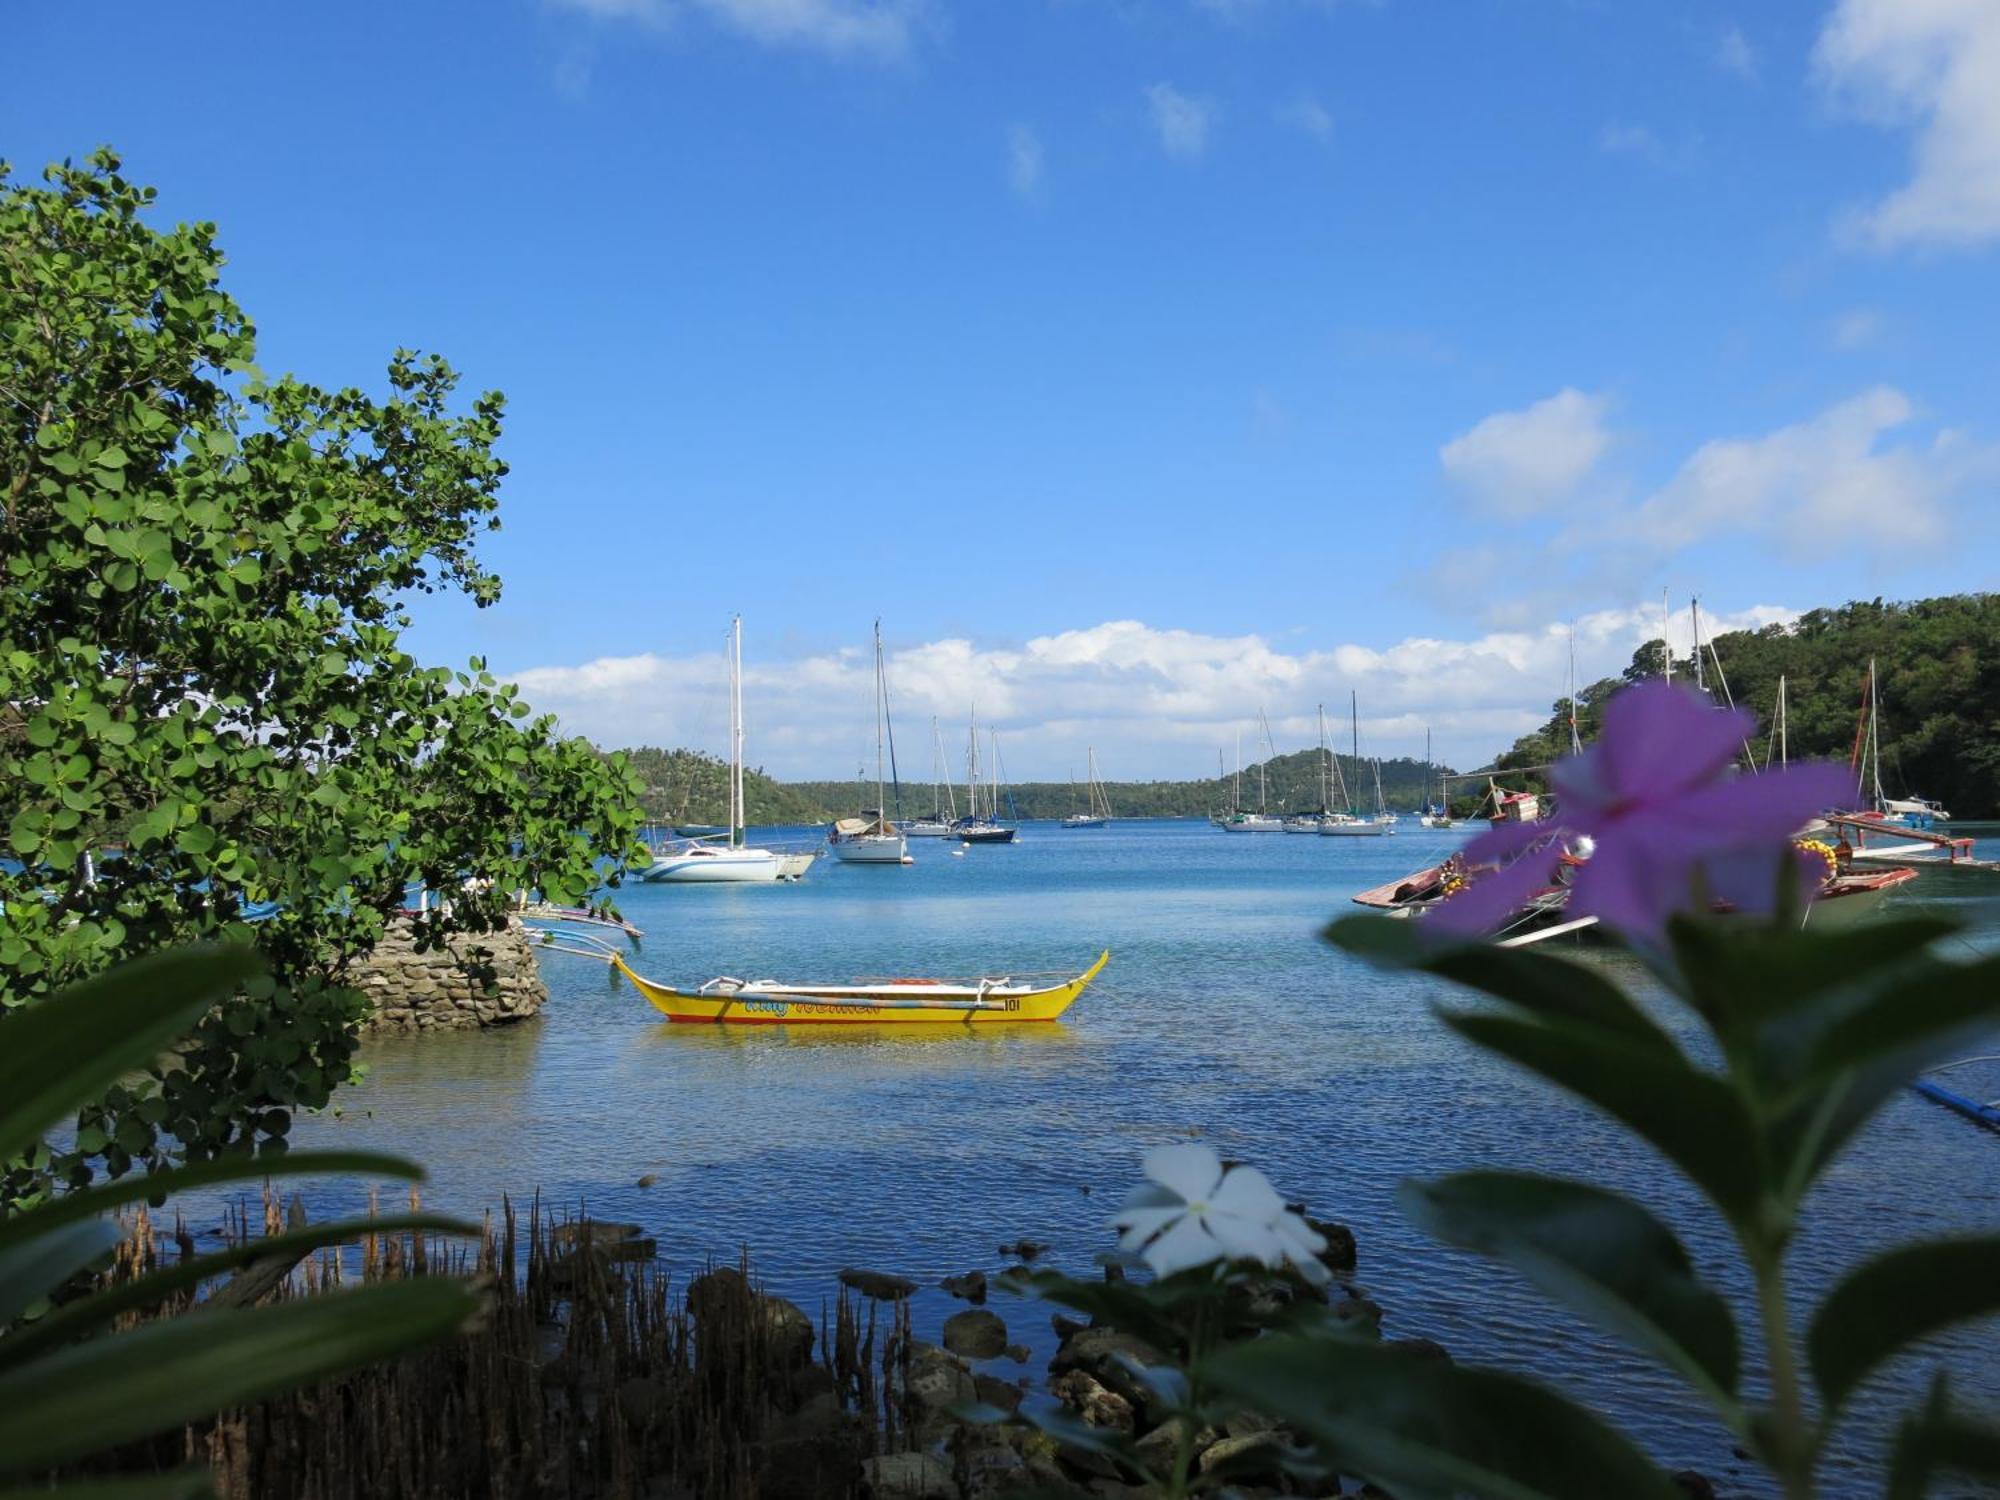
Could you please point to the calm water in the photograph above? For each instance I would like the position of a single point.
(1222, 1015)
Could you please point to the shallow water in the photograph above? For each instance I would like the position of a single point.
(1222, 1015)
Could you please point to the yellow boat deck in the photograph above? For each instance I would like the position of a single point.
(902, 1001)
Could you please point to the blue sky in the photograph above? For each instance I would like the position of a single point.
(1141, 364)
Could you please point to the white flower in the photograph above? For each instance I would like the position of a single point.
(1193, 1213)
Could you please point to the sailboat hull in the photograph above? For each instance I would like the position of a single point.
(1366, 828)
(1076, 821)
(872, 849)
(900, 1002)
(707, 865)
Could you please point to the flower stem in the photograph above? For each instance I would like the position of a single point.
(1790, 1443)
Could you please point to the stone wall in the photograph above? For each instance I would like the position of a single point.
(474, 979)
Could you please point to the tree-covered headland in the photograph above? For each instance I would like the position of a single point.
(1937, 663)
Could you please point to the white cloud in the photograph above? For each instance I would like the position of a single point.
(1857, 328)
(1024, 160)
(1307, 114)
(1835, 483)
(878, 29)
(1522, 463)
(1933, 65)
(1642, 142)
(1734, 54)
(1182, 121)
(1155, 702)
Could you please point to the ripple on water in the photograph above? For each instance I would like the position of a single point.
(1222, 1016)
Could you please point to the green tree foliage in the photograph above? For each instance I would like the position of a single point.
(688, 786)
(1938, 664)
(200, 663)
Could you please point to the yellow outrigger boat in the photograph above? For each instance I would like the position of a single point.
(764, 1002)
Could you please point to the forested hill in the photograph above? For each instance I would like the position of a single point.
(686, 786)
(1938, 663)
(1291, 784)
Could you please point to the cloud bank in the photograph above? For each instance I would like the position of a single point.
(1155, 702)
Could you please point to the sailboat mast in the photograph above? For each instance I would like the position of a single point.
(881, 719)
(736, 810)
(1666, 638)
(1784, 750)
(1875, 732)
(1694, 624)
(1575, 739)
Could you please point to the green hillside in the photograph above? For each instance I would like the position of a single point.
(1938, 662)
(688, 786)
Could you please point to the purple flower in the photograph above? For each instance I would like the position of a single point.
(1657, 796)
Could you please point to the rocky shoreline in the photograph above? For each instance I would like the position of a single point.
(470, 979)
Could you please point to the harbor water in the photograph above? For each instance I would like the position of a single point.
(1222, 1017)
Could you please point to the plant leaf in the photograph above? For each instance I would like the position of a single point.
(1602, 1254)
(1896, 1299)
(73, 1318)
(1540, 982)
(102, 1197)
(1406, 1422)
(184, 1484)
(1693, 1118)
(109, 1390)
(1939, 1438)
(30, 1272)
(67, 1050)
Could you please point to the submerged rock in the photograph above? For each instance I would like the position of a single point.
(976, 1334)
(879, 1285)
(971, 1287)
(908, 1476)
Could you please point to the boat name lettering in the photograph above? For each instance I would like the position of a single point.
(768, 1007)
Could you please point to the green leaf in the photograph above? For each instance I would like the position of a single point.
(153, 1187)
(1937, 1439)
(186, 1484)
(32, 1270)
(1693, 1118)
(112, 1389)
(1895, 1300)
(73, 1319)
(1406, 1422)
(1540, 982)
(64, 1052)
(1602, 1254)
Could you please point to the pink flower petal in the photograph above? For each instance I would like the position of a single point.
(1659, 738)
(1632, 887)
(1493, 897)
(1769, 808)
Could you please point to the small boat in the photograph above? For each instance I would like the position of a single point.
(1906, 812)
(983, 825)
(942, 820)
(729, 861)
(1434, 814)
(1351, 824)
(1097, 807)
(872, 839)
(1953, 1095)
(1002, 999)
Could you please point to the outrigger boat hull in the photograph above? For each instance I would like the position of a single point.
(902, 1002)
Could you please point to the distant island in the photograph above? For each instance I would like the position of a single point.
(690, 787)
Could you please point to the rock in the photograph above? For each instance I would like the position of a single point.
(1247, 1424)
(613, 1241)
(908, 1476)
(1339, 1256)
(1243, 1450)
(993, 1391)
(1024, 1249)
(725, 1306)
(1695, 1485)
(1019, 1353)
(935, 1382)
(648, 1180)
(1091, 1400)
(976, 1334)
(877, 1284)
(1097, 1352)
(1159, 1446)
(971, 1287)
(1065, 1327)
(997, 1462)
(1428, 1349)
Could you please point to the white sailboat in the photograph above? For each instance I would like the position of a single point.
(982, 824)
(709, 862)
(1436, 814)
(1097, 806)
(1350, 824)
(1260, 821)
(871, 839)
(942, 821)
(1309, 822)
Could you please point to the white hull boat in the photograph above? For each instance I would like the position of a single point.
(1355, 828)
(713, 864)
(871, 849)
(929, 828)
(1253, 823)
(872, 839)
